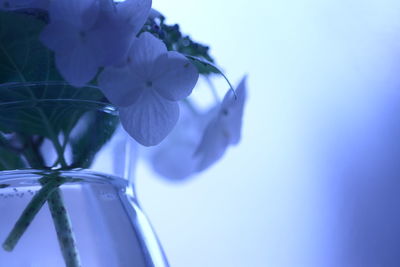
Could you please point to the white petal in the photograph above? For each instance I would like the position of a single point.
(135, 12)
(120, 86)
(231, 112)
(144, 52)
(78, 66)
(212, 146)
(175, 76)
(150, 119)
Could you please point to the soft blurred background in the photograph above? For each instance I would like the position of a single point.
(315, 180)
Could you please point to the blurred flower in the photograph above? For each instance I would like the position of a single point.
(224, 129)
(173, 157)
(200, 140)
(147, 88)
(88, 34)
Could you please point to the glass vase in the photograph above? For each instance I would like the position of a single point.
(66, 182)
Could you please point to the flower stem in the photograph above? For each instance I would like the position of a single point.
(29, 214)
(62, 221)
(63, 226)
(51, 193)
(59, 213)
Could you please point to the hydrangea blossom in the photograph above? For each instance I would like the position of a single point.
(147, 87)
(173, 157)
(19, 4)
(200, 140)
(224, 129)
(88, 34)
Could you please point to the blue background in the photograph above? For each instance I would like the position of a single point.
(314, 181)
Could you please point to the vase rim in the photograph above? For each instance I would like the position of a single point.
(31, 176)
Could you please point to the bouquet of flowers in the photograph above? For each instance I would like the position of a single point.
(122, 53)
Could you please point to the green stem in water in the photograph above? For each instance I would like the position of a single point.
(59, 213)
(61, 219)
(63, 227)
(29, 214)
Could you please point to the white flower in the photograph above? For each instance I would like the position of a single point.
(199, 140)
(147, 88)
(88, 34)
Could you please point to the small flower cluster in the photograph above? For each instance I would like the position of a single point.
(99, 40)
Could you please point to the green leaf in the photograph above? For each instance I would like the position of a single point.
(200, 62)
(23, 58)
(37, 109)
(30, 103)
(10, 160)
(175, 40)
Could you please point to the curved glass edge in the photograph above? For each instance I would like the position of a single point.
(152, 250)
(151, 247)
(31, 176)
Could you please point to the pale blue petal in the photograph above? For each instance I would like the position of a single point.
(17, 4)
(174, 158)
(75, 59)
(120, 86)
(110, 39)
(78, 66)
(150, 119)
(135, 12)
(62, 43)
(212, 146)
(175, 162)
(41, 4)
(144, 52)
(116, 28)
(72, 12)
(175, 76)
(89, 15)
(231, 112)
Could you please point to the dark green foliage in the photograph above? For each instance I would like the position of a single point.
(176, 41)
(23, 58)
(10, 160)
(31, 111)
